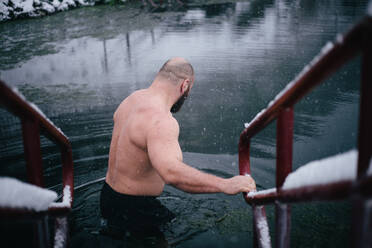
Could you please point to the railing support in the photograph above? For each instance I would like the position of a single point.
(68, 169)
(284, 145)
(31, 144)
(361, 225)
(244, 157)
(261, 234)
(283, 168)
(61, 232)
(365, 119)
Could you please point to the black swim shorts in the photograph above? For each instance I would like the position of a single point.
(132, 213)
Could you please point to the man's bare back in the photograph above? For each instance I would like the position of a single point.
(130, 170)
(145, 153)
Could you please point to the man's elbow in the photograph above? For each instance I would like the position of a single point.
(170, 178)
(168, 170)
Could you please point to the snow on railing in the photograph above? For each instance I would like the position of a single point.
(60, 238)
(253, 194)
(20, 195)
(66, 200)
(336, 168)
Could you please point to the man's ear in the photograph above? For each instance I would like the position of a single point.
(185, 85)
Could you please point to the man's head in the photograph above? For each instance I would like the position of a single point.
(179, 73)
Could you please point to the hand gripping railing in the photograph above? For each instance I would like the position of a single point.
(33, 123)
(333, 56)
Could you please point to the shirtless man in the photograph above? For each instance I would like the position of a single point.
(145, 153)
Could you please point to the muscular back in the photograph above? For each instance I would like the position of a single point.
(130, 170)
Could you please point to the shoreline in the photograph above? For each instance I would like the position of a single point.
(11, 10)
(23, 9)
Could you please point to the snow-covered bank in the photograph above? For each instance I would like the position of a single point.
(12, 9)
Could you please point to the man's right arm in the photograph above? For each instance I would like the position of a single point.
(166, 157)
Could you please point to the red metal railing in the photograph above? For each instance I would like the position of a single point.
(33, 123)
(357, 40)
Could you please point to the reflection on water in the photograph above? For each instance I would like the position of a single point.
(77, 66)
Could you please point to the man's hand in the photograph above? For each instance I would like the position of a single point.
(239, 184)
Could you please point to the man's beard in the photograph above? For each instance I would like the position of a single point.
(177, 105)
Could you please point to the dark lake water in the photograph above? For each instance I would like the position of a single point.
(77, 66)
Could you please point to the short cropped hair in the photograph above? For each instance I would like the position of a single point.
(175, 70)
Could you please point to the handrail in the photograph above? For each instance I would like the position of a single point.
(321, 192)
(33, 122)
(332, 57)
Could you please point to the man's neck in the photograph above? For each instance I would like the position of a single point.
(164, 92)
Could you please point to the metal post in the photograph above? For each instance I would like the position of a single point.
(245, 168)
(61, 232)
(365, 119)
(283, 168)
(31, 144)
(244, 157)
(283, 224)
(361, 225)
(261, 234)
(284, 145)
(68, 169)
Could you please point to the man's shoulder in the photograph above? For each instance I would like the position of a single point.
(148, 113)
(161, 119)
(163, 126)
(159, 123)
(135, 96)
